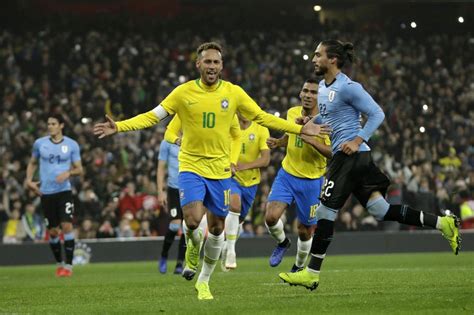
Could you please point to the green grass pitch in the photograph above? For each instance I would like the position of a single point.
(436, 283)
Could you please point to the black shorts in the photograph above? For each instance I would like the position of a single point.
(355, 174)
(174, 205)
(57, 208)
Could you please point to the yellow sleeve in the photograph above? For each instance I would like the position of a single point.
(173, 129)
(236, 142)
(141, 121)
(173, 100)
(252, 111)
(264, 135)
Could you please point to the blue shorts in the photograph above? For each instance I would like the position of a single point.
(305, 192)
(214, 193)
(246, 194)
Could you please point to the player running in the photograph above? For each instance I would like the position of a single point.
(298, 181)
(254, 154)
(351, 169)
(207, 108)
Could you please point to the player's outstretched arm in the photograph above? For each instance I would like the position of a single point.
(138, 122)
(249, 109)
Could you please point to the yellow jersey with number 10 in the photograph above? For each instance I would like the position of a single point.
(206, 114)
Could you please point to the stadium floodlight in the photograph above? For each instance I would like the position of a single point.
(425, 107)
(277, 114)
(305, 57)
(413, 24)
(460, 19)
(317, 8)
(422, 129)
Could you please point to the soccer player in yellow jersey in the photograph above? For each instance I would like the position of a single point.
(206, 107)
(254, 154)
(299, 180)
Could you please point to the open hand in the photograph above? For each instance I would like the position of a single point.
(105, 129)
(312, 129)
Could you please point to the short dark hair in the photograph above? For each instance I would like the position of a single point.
(209, 45)
(337, 49)
(57, 116)
(311, 80)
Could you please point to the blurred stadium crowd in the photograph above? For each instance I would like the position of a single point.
(424, 85)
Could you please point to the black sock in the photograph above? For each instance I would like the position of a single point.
(169, 239)
(406, 215)
(285, 243)
(69, 250)
(321, 240)
(430, 220)
(181, 249)
(56, 248)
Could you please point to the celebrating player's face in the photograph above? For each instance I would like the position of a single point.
(309, 95)
(209, 64)
(320, 60)
(54, 127)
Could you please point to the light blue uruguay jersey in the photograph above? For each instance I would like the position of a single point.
(54, 159)
(169, 153)
(341, 104)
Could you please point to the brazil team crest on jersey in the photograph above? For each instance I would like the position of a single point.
(225, 104)
(252, 137)
(64, 148)
(331, 95)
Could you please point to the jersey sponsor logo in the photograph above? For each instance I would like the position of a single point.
(173, 212)
(331, 95)
(225, 104)
(64, 148)
(252, 137)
